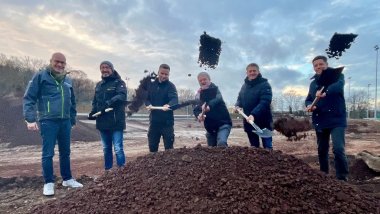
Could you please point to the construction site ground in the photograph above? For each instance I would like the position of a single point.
(20, 165)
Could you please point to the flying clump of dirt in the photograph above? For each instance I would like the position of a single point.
(215, 180)
(339, 43)
(209, 51)
(141, 93)
(292, 127)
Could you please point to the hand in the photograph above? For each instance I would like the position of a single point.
(201, 117)
(90, 116)
(250, 119)
(205, 108)
(149, 107)
(166, 107)
(320, 94)
(310, 109)
(32, 126)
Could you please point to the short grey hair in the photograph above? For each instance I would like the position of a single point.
(204, 74)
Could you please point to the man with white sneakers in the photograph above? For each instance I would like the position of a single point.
(51, 91)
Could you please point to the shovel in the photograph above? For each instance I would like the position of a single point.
(99, 112)
(264, 133)
(315, 101)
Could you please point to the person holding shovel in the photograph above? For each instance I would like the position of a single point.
(254, 98)
(162, 93)
(49, 98)
(213, 112)
(108, 108)
(329, 118)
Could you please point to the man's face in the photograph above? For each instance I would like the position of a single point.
(58, 62)
(163, 74)
(204, 81)
(252, 72)
(319, 65)
(106, 70)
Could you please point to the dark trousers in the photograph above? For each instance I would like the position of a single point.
(254, 140)
(154, 135)
(338, 143)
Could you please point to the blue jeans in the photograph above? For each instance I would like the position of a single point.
(116, 137)
(338, 143)
(154, 135)
(219, 138)
(52, 131)
(254, 140)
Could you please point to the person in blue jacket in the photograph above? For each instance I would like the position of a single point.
(110, 93)
(49, 99)
(254, 98)
(329, 119)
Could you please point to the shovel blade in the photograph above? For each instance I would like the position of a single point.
(265, 133)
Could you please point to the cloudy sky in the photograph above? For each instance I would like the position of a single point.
(282, 36)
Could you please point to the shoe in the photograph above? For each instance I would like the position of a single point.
(48, 189)
(72, 183)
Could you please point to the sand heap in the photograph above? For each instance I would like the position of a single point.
(215, 180)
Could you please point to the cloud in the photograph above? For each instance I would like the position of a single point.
(281, 36)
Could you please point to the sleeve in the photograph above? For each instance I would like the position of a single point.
(197, 110)
(264, 100)
(120, 97)
(30, 99)
(217, 100)
(173, 95)
(337, 87)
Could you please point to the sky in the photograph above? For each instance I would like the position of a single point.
(282, 36)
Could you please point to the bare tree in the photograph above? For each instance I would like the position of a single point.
(185, 94)
(293, 100)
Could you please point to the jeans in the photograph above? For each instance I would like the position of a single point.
(219, 138)
(338, 143)
(154, 135)
(254, 140)
(116, 137)
(52, 131)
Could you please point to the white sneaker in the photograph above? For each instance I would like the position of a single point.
(48, 189)
(72, 183)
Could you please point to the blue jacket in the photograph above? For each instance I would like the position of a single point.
(255, 97)
(111, 92)
(331, 110)
(218, 114)
(160, 94)
(45, 98)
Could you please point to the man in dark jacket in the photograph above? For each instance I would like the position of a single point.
(329, 118)
(213, 113)
(255, 97)
(51, 90)
(110, 93)
(161, 92)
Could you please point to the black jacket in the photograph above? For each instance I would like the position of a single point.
(255, 97)
(111, 92)
(218, 114)
(331, 110)
(160, 94)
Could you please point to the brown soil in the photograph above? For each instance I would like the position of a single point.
(21, 181)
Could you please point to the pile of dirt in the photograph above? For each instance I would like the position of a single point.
(13, 128)
(215, 180)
